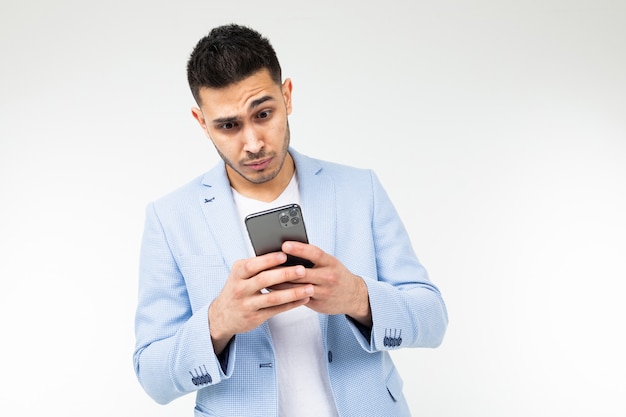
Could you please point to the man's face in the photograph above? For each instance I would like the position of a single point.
(247, 123)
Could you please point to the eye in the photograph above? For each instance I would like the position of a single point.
(264, 114)
(228, 126)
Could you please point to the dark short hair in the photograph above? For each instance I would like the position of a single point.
(227, 55)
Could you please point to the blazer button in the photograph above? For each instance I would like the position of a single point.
(330, 356)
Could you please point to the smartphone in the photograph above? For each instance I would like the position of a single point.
(270, 228)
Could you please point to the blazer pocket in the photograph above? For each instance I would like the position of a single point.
(394, 385)
(204, 277)
(202, 260)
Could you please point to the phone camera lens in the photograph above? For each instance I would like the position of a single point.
(284, 218)
(295, 220)
(293, 212)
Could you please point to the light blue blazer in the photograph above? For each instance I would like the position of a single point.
(192, 238)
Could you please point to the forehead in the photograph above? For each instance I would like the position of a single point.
(240, 97)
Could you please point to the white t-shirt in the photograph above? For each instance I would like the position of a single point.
(303, 385)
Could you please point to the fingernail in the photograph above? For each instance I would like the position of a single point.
(308, 290)
(300, 271)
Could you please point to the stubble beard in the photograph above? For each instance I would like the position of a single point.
(264, 176)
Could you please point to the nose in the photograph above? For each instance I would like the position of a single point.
(253, 142)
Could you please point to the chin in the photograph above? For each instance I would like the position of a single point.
(261, 179)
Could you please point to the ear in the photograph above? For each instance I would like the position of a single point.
(199, 116)
(286, 89)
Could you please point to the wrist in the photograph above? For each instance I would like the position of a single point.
(219, 338)
(362, 311)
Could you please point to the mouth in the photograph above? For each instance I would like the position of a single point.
(258, 165)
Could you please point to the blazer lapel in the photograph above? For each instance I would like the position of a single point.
(319, 206)
(319, 209)
(221, 215)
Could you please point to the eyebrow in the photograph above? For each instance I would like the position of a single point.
(259, 101)
(253, 104)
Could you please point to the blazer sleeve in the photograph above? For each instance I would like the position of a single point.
(407, 308)
(173, 353)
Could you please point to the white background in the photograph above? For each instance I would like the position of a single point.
(497, 127)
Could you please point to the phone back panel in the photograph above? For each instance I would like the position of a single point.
(270, 228)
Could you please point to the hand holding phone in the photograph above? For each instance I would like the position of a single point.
(269, 229)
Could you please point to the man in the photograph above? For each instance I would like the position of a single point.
(252, 337)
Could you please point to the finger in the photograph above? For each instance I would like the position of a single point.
(298, 295)
(275, 277)
(305, 251)
(286, 285)
(272, 311)
(247, 268)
